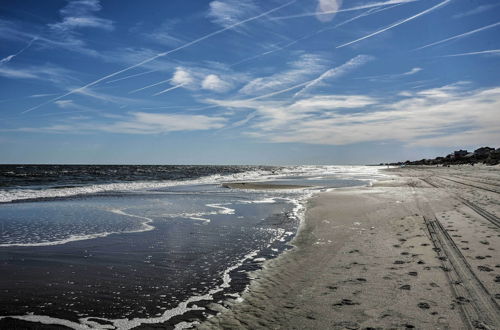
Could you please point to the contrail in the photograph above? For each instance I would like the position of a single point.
(10, 57)
(397, 23)
(169, 89)
(152, 85)
(163, 54)
(338, 71)
(367, 13)
(460, 35)
(492, 51)
(358, 60)
(131, 76)
(371, 5)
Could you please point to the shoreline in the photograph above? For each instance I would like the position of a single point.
(364, 258)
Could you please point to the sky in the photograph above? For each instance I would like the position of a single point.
(247, 81)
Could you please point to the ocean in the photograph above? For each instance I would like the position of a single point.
(117, 247)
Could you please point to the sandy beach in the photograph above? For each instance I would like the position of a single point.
(417, 250)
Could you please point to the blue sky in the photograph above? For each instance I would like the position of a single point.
(247, 81)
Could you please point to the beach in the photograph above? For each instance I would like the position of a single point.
(418, 249)
(307, 247)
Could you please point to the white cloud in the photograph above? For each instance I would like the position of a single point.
(391, 76)
(445, 116)
(64, 104)
(151, 123)
(326, 9)
(332, 102)
(228, 12)
(182, 77)
(80, 14)
(214, 83)
(412, 72)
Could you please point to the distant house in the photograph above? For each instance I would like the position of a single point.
(460, 153)
(483, 152)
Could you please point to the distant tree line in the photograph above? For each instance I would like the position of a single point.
(486, 155)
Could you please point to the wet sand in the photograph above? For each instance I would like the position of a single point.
(418, 250)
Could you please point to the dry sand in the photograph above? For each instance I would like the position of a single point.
(419, 250)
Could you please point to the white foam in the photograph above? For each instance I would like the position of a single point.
(349, 172)
(199, 219)
(223, 209)
(10, 195)
(145, 226)
(268, 200)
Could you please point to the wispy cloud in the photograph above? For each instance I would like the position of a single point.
(132, 123)
(335, 11)
(151, 59)
(10, 57)
(300, 69)
(387, 77)
(482, 52)
(336, 72)
(80, 14)
(460, 35)
(367, 13)
(229, 12)
(45, 38)
(165, 34)
(412, 72)
(47, 72)
(477, 10)
(440, 116)
(397, 23)
(42, 95)
(152, 123)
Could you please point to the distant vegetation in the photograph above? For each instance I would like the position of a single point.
(486, 155)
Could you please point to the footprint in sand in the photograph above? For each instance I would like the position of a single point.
(346, 302)
(424, 305)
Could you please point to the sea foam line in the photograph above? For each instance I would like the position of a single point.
(145, 226)
(9, 195)
(125, 324)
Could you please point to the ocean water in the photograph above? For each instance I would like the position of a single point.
(114, 247)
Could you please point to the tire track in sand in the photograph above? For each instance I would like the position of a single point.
(479, 309)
